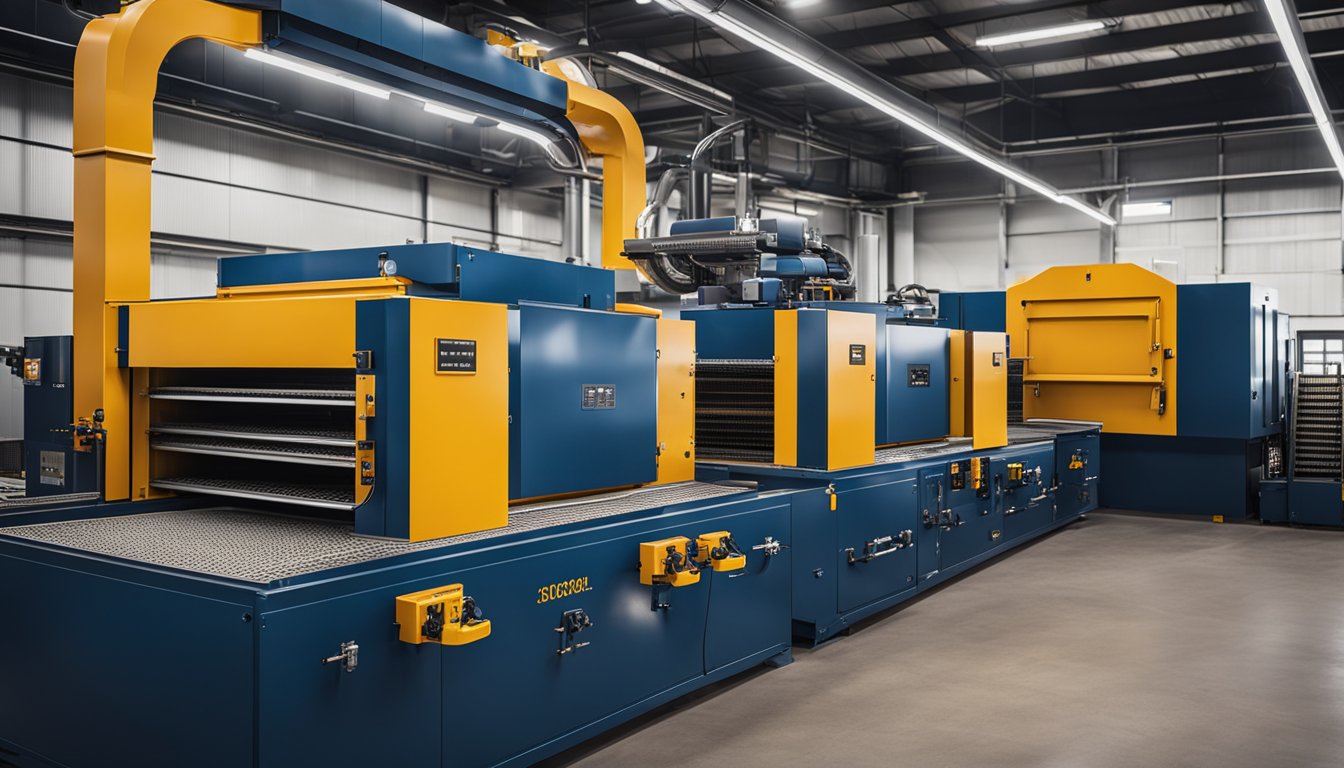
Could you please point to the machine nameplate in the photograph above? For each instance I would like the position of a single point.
(917, 375)
(599, 397)
(858, 354)
(456, 355)
(32, 371)
(563, 589)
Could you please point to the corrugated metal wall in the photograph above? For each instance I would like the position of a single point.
(228, 184)
(1282, 231)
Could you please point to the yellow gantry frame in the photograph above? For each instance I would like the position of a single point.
(116, 77)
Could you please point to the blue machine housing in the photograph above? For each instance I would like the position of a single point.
(973, 310)
(386, 43)
(51, 464)
(245, 646)
(925, 523)
(1233, 354)
(448, 270)
(557, 443)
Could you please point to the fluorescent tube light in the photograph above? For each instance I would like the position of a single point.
(674, 75)
(536, 137)
(1044, 33)
(1284, 16)
(738, 29)
(1151, 208)
(317, 73)
(461, 116)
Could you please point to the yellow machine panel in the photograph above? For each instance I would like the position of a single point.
(676, 401)
(786, 387)
(442, 615)
(298, 332)
(851, 377)
(1100, 344)
(468, 454)
(987, 389)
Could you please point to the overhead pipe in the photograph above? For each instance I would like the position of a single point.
(701, 175)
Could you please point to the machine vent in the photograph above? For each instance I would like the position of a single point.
(735, 410)
(1318, 415)
(266, 435)
(1016, 367)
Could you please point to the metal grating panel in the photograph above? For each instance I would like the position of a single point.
(262, 549)
(735, 410)
(1018, 434)
(1318, 426)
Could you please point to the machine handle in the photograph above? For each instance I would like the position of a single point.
(870, 549)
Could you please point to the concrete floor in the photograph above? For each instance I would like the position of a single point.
(1122, 640)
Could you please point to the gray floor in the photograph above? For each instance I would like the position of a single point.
(1119, 641)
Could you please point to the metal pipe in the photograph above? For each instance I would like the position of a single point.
(700, 177)
(661, 194)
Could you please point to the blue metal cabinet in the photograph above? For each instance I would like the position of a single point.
(749, 610)
(1077, 492)
(914, 384)
(865, 515)
(1027, 507)
(100, 670)
(560, 440)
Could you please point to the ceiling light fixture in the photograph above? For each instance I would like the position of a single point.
(317, 73)
(1150, 208)
(460, 115)
(1284, 16)
(1043, 33)
(674, 75)
(726, 23)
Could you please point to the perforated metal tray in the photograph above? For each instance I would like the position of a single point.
(262, 549)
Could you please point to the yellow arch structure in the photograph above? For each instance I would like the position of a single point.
(116, 77)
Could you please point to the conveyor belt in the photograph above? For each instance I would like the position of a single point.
(293, 453)
(330, 437)
(263, 549)
(304, 495)
(14, 505)
(256, 395)
(1018, 434)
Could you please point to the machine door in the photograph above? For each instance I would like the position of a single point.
(878, 536)
(527, 684)
(932, 510)
(1025, 480)
(975, 523)
(749, 610)
(1078, 467)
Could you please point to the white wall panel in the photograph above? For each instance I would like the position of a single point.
(1301, 293)
(1028, 255)
(957, 246)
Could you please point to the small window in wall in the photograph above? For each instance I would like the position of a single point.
(1320, 352)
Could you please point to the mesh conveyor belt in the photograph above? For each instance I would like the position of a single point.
(320, 496)
(262, 549)
(296, 453)
(694, 244)
(306, 436)
(1018, 434)
(32, 501)
(256, 395)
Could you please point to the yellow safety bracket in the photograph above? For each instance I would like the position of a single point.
(116, 77)
(444, 615)
(667, 561)
(718, 552)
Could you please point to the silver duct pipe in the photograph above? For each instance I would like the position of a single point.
(701, 177)
(661, 194)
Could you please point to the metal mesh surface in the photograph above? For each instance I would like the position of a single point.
(262, 549)
(735, 410)
(309, 435)
(315, 454)
(1018, 434)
